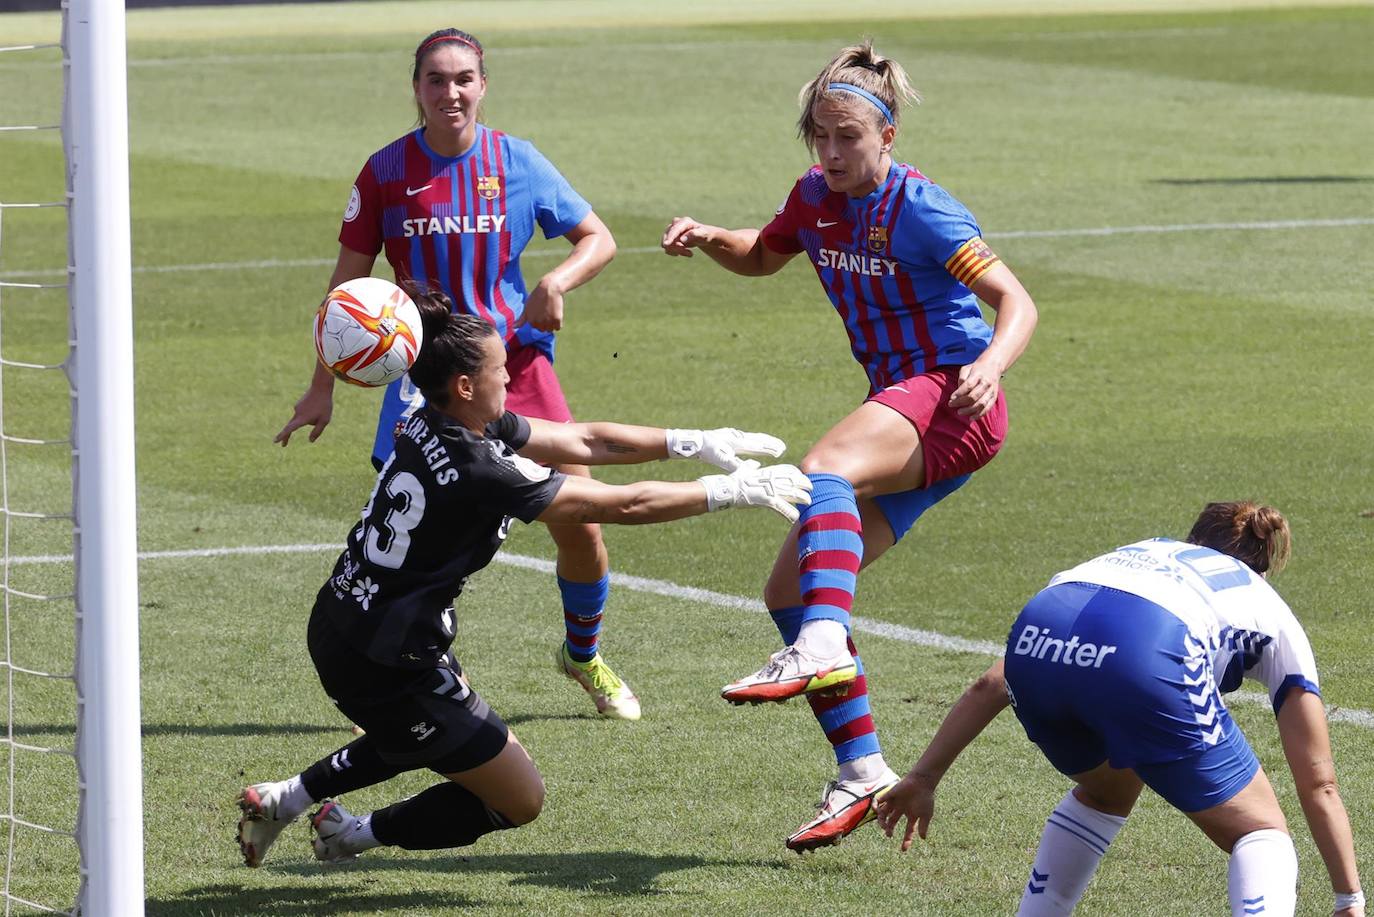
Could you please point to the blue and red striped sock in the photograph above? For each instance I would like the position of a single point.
(830, 547)
(582, 606)
(844, 712)
(846, 717)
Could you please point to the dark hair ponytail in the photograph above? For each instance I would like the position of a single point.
(1250, 532)
(453, 343)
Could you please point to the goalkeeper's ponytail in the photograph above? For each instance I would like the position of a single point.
(452, 344)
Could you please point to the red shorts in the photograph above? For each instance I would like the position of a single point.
(951, 445)
(534, 390)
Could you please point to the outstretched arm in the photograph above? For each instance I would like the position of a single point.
(1307, 746)
(780, 488)
(738, 250)
(914, 796)
(316, 406)
(594, 443)
(605, 443)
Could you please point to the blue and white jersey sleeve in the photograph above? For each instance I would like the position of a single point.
(1261, 640)
(557, 207)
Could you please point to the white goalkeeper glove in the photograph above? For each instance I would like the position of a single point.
(781, 488)
(723, 448)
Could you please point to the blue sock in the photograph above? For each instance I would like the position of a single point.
(582, 607)
(788, 621)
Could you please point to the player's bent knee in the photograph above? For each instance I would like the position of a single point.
(584, 537)
(831, 461)
(524, 807)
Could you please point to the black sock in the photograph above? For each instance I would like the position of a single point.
(445, 815)
(352, 767)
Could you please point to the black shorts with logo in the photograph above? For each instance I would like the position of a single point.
(429, 718)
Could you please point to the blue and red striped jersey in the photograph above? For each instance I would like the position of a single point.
(897, 264)
(461, 222)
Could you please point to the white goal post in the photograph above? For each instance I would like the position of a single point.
(100, 367)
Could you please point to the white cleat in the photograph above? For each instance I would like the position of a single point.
(791, 672)
(259, 824)
(846, 805)
(332, 827)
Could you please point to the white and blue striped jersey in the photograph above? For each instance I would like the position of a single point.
(1243, 624)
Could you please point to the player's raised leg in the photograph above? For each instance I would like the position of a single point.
(843, 713)
(874, 450)
(583, 585)
(810, 594)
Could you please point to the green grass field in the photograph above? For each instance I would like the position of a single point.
(1189, 196)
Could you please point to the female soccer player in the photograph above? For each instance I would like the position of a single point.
(382, 625)
(453, 204)
(1116, 671)
(902, 261)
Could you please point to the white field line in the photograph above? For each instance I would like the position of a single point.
(898, 632)
(1145, 229)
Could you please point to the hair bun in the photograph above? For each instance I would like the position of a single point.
(1264, 521)
(434, 305)
(1250, 532)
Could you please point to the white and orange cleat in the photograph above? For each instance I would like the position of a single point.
(259, 824)
(791, 672)
(846, 805)
(332, 829)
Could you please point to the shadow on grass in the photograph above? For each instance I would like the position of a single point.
(154, 730)
(519, 718)
(1270, 180)
(244, 729)
(185, 729)
(604, 872)
(344, 898)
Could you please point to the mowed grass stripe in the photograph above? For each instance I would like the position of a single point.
(899, 632)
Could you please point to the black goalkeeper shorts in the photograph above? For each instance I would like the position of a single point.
(428, 718)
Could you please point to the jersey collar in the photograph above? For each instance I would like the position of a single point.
(477, 142)
(894, 173)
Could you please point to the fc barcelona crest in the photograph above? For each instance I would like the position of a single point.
(877, 238)
(489, 187)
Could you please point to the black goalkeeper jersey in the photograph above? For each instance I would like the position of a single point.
(439, 512)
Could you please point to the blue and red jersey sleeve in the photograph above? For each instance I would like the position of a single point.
(361, 229)
(558, 208)
(938, 227)
(780, 235)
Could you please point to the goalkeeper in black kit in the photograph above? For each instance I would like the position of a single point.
(382, 625)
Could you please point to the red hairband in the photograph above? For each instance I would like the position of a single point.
(438, 38)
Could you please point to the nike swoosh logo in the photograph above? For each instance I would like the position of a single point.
(822, 224)
(412, 193)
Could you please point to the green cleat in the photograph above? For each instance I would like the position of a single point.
(612, 696)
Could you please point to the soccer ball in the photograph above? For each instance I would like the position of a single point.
(367, 331)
